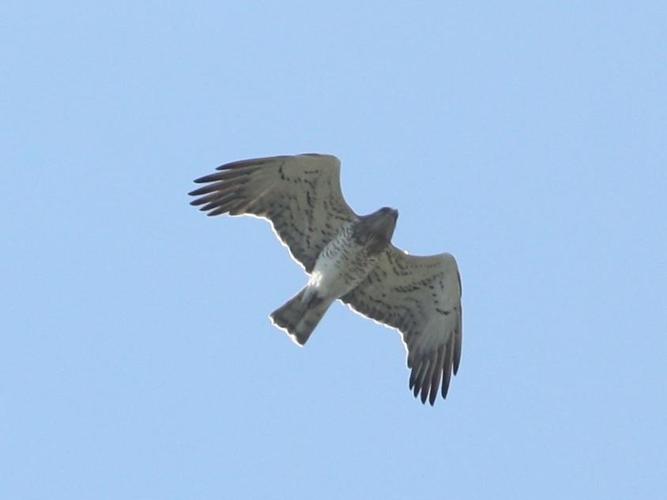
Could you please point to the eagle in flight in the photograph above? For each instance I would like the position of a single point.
(348, 257)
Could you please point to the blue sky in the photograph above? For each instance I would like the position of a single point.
(526, 138)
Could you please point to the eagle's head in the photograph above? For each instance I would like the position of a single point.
(375, 230)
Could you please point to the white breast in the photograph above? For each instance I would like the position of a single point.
(341, 266)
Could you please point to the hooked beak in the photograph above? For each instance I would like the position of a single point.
(384, 221)
(394, 213)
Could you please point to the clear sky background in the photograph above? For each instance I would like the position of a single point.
(525, 137)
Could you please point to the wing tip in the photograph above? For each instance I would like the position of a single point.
(207, 178)
(251, 162)
(234, 164)
(425, 384)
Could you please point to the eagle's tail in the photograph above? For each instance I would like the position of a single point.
(300, 315)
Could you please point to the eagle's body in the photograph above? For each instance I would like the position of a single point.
(341, 265)
(348, 257)
(346, 261)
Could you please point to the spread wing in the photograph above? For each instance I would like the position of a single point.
(299, 195)
(421, 297)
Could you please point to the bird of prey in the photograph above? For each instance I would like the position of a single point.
(348, 257)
